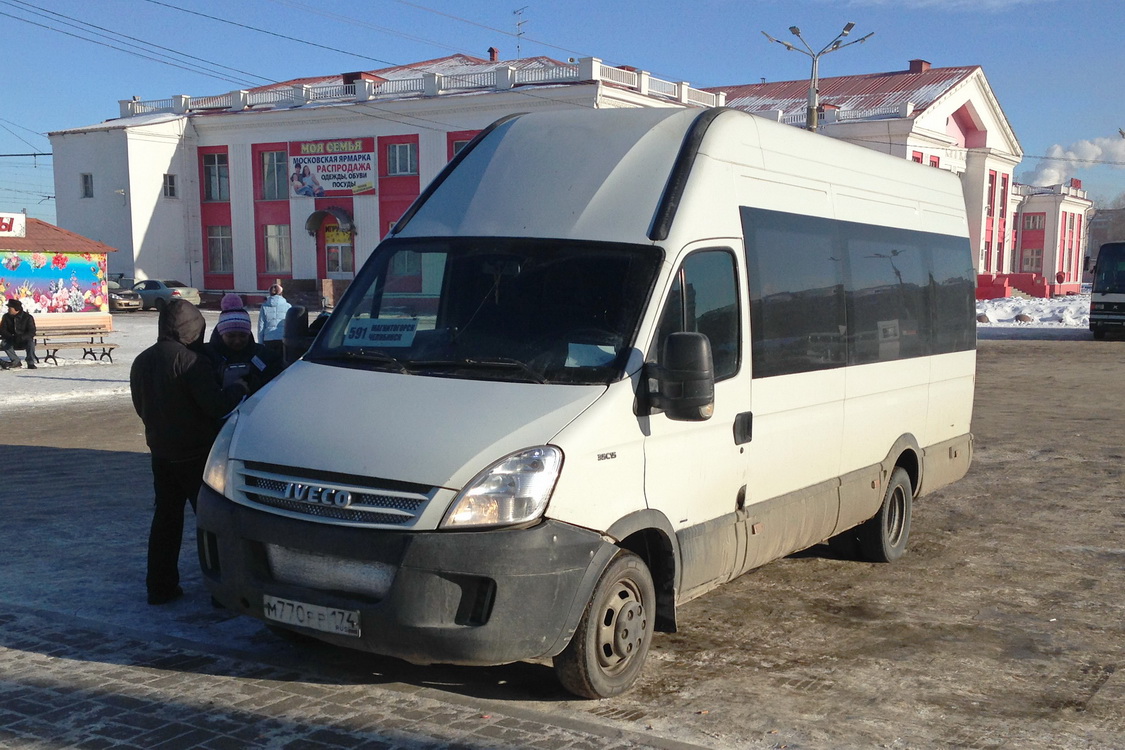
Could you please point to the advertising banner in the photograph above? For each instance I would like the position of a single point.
(54, 282)
(13, 225)
(340, 167)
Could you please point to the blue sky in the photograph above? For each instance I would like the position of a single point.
(1056, 66)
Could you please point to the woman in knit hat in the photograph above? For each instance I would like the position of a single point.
(271, 319)
(235, 353)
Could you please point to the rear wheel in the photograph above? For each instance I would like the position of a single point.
(1099, 333)
(160, 304)
(884, 537)
(608, 650)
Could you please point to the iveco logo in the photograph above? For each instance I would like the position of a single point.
(307, 493)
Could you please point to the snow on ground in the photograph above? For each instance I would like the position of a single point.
(77, 379)
(1055, 318)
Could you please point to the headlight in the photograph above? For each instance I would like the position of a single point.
(513, 490)
(113, 295)
(215, 473)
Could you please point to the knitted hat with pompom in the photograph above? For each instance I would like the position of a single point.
(231, 301)
(233, 318)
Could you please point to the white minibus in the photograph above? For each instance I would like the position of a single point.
(607, 361)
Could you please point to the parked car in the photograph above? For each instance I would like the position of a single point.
(122, 297)
(156, 293)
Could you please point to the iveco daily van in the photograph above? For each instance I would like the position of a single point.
(607, 361)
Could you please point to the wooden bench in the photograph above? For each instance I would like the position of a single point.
(89, 337)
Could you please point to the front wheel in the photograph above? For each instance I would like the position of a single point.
(883, 538)
(608, 650)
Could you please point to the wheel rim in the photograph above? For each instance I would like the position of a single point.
(623, 627)
(894, 522)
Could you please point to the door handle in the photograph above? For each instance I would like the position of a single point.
(743, 427)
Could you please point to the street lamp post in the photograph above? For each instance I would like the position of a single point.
(814, 79)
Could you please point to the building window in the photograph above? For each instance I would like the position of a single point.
(935, 161)
(279, 254)
(220, 250)
(402, 159)
(340, 258)
(1032, 261)
(275, 180)
(990, 207)
(916, 157)
(87, 185)
(169, 186)
(1033, 221)
(216, 177)
(458, 145)
(1003, 195)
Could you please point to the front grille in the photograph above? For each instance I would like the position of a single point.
(330, 498)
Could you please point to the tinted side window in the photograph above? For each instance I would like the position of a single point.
(954, 296)
(826, 293)
(794, 266)
(888, 294)
(704, 299)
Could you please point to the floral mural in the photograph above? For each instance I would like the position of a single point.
(59, 282)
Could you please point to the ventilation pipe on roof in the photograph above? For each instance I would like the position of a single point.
(919, 66)
(493, 54)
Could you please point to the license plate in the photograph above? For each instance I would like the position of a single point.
(326, 619)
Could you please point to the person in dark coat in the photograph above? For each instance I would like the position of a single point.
(182, 406)
(17, 331)
(235, 353)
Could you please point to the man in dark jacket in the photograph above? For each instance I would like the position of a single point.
(182, 406)
(17, 331)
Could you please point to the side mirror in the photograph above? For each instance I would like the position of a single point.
(684, 378)
(296, 340)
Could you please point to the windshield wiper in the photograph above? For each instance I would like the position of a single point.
(368, 355)
(483, 363)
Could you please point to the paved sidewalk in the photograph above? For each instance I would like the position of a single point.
(67, 684)
(85, 662)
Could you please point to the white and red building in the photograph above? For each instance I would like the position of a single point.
(300, 180)
(949, 118)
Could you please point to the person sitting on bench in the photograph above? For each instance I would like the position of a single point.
(17, 331)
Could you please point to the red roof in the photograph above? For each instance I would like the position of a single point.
(922, 87)
(47, 238)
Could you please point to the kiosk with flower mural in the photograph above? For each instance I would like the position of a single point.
(56, 274)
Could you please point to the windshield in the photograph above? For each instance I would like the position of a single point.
(1109, 275)
(547, 311)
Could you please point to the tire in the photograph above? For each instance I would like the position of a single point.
(1099, 333)
(159, 304)
(884, 537)
(608, 650)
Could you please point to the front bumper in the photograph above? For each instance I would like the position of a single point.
(474, 598)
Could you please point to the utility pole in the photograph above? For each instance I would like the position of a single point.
(814, 79)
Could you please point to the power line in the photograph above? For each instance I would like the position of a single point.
(78, 23)
(966, 150)
(488, 28)
(123, 49)
(286, 37)
(396, 116)
(366, 24)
